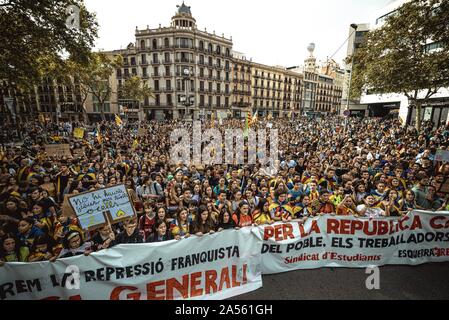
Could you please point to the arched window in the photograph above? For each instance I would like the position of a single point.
(166, 42)
(201, 45)
(210, 47)
(218, 49)
(227, 52)
(154, 44)
(142, 44)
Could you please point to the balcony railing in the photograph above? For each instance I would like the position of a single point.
(155, 62)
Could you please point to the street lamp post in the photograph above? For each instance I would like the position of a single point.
(355, 27)
(187, 99)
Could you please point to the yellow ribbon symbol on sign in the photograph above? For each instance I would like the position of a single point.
(120, 213)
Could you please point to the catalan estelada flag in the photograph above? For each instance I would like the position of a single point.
(249, 119)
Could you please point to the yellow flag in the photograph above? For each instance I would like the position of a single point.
(78, 133)
(99, 138)
(118, 121)
(135, 144)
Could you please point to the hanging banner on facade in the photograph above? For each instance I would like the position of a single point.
(345, 241)
(91, 207)
(217, 266)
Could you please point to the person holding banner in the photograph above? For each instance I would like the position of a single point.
(369, 209)
(130, 234)
(74, 245)
(41, 250)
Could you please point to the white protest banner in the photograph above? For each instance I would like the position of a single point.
(215, 266)
(346, 241)
(91, 207)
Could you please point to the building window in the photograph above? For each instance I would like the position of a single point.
(218, 88)
(154, 44)
(155, 60)
(156, 71)
(156, 85)
(133, 61)
(210, 61)
(218, 49)
(201, 101)
(210, 48)
(167, 56)
(226, 102)
(169, 100)
(168, 84)
(210, 101)
(158, 100)
(218, 100)
(142, 44)
(144, 72)
(201, 45)
(227, 52)
(166, 42)
(134, 71)
(144, 58)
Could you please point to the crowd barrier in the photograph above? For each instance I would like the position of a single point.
(231, 262)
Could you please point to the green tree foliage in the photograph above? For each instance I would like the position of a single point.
(397, 58)
(35, 35)
(136, 89)
(95, 76)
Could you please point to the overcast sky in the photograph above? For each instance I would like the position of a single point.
(270, 32)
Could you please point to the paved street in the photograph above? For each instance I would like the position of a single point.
(430, 281)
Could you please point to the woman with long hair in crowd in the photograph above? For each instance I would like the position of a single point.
(203, 224)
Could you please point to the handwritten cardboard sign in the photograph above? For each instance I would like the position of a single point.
(58, 149)
(96, 208)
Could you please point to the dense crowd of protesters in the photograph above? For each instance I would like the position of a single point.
(372, 169)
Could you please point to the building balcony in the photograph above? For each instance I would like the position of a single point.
(155, 75)
(184, 61)
(144, 63)
(155, 62)
(169, 61)
(166, 75)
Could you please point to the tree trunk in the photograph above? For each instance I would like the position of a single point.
(103, 118)
(418, 116)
